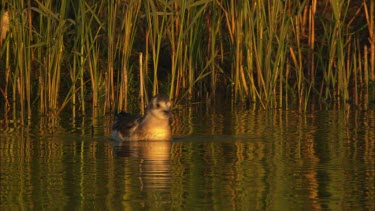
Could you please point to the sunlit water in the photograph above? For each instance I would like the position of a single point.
(220, 158)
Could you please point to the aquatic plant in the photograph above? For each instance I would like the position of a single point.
(111, 54)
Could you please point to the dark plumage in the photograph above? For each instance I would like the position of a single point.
(153, 126)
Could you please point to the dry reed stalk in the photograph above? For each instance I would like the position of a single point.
(123, 90)
(365, 68)
(370, 19)
(357, 63)
(111, 32)
(366, 71)
(237, 65)
(287, 72)
(4, 91)
(81, 68)
(22, 99)
(147, 53)
(312, 12)
(347, 71)
(372, 59)
(73, 79)
(372, 38)
(141, 84)
(93, 62)
(280, 90)
(243, 79)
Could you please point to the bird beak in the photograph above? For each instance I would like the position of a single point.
(167, 112)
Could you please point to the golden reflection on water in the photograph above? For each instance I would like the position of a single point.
(221, 158)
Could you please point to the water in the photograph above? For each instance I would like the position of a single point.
(221, 158)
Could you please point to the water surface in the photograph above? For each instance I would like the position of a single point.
(221, 158)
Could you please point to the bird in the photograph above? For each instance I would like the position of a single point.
(154, 125)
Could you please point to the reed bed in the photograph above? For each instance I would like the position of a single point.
(111, 54)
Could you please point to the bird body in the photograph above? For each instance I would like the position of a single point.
(154, 125)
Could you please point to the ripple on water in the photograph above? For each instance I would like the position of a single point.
(223, 158)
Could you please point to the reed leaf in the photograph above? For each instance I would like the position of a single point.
(110, 53)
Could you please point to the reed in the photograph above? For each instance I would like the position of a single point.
(155, 28)
(22, 69)
(82, 33)
(370, 20)
(111, 35)
(128, 28)
(183, 34)
(91, 43)
(102, 53)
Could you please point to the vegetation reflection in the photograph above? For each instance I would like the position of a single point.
(245, 160)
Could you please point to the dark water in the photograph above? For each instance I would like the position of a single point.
(221, 159)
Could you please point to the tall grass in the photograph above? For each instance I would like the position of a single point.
(112, 53)
(128, 26)
(155, 29)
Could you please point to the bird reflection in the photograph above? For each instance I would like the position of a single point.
(152, 162)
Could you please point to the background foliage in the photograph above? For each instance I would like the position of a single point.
(107, 54)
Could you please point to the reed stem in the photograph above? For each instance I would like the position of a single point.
(269, 53)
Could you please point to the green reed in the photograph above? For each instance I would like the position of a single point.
(53, 26)
(128, 29)
(155, 29)
(89, 46)
(111, 35)
(182, 31)
(269, 53)
(20, 74)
